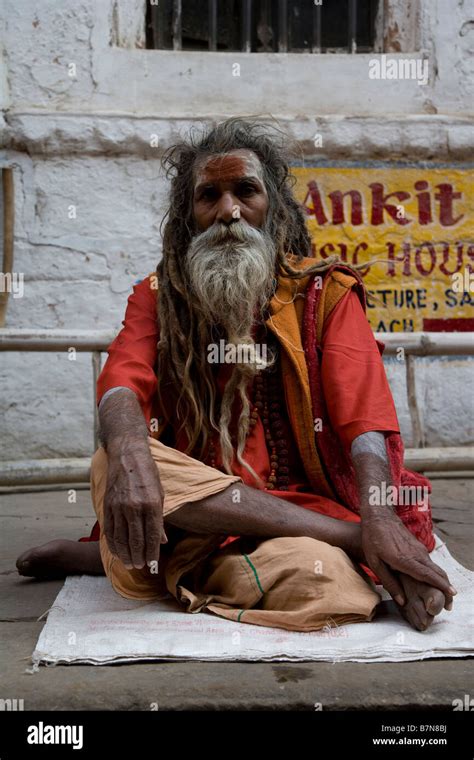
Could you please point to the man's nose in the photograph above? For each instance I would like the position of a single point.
(227, 209)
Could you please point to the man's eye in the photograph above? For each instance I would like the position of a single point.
(208, 192)
(247, 189)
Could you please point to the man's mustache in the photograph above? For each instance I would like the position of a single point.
(239, 231)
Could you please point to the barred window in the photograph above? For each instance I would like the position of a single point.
(264, 26)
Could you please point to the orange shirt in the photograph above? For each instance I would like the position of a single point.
(132, 355)
(355, 387)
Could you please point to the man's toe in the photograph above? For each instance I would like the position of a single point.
(433, 600)
(420, 617)
(25, 563)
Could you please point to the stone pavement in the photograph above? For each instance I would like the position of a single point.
(27, 519)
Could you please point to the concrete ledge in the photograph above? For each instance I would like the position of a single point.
(419, 137)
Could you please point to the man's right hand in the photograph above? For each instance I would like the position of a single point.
(133, 504)
(389, 546)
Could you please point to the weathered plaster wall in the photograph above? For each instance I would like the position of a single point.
(83, 141)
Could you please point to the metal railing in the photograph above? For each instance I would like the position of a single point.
(32, 472)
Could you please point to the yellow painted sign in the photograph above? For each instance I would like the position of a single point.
(417, 223)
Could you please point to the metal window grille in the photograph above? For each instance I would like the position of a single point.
(264, 26)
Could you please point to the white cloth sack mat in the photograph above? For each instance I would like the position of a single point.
(90, 623)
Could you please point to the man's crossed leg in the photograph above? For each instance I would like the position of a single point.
(292, 568)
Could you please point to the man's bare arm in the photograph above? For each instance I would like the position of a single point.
(388, 545)
(133, 504)
(121, 418)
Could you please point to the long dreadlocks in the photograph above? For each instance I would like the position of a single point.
(183, 334)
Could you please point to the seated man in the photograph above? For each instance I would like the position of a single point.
(247, 421)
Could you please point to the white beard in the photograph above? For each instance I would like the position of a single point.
(232, 274)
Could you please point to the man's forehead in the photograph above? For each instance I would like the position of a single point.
(228, 166)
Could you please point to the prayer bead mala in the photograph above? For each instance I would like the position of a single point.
(267, 405)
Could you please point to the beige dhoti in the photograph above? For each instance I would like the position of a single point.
(300, 584)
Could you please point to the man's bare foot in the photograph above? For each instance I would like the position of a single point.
(60, 558)
(422, 604)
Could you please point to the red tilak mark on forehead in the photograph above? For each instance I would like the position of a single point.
(224, 169)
